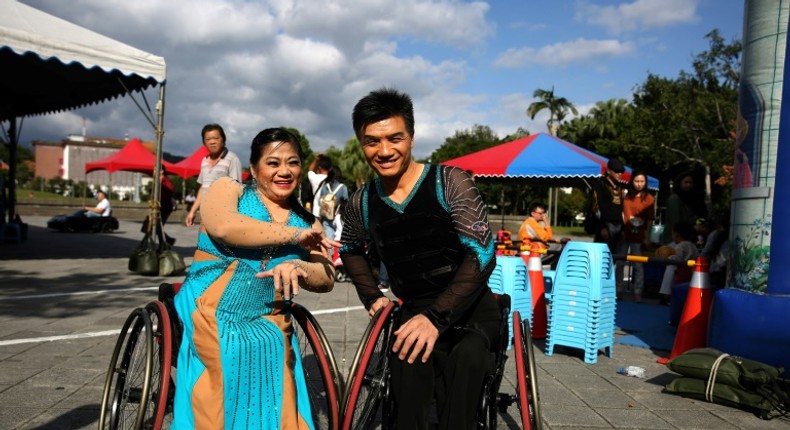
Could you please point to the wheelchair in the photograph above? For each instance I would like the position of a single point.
(140, 383)
(368, 402)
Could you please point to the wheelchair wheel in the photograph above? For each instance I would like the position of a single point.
(128, 382)
(367, 389)
(320, 369)
(159, 408)
(527, 384)
(488, 409)
(491, 401)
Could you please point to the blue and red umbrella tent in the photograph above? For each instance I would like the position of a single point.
(539, 158)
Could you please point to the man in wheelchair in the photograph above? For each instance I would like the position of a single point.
(429, 226)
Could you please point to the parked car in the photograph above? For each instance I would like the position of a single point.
(79, 222)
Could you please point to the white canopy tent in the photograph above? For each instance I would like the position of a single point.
(50, 65)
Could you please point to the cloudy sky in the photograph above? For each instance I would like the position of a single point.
(252, 64)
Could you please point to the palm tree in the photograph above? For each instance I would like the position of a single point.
(558, 108)
(607, 116)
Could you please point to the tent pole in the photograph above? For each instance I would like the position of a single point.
(502, 202)
(12, 145)
(159, 131)
(556, 206)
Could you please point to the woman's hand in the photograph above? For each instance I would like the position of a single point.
(380, 303)
(286, 277)
(313, 239)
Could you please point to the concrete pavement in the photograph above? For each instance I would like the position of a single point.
(63, 298)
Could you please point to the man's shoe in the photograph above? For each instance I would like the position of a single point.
(170, 240)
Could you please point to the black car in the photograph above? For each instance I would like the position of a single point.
(79, 222)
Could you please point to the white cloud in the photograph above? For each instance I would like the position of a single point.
(638, 15)
(457, 24)
(564, 53)
(254, 64)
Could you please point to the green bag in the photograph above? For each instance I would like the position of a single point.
(723, 395)
(171, 263)
(144, 259)
(713, 376)
(734, 371)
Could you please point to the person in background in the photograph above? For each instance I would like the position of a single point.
(638, 214)
(102, 208)
(219, 162)
(189, 199)
(536, 227)
(428, 225)
(681, 249)
(716, 248)
(607, 201)
(685, 204)
(316, 174)
(238, 366)
(332, 184)
(166, 206)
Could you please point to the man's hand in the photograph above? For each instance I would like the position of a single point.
(416, 335)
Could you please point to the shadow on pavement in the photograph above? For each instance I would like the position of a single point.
(43, 244)
(73, 419)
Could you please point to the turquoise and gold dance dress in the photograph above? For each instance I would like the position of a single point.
(239, 366)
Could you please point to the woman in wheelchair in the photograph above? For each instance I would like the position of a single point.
(257, 246)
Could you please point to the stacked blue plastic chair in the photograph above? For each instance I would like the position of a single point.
(582, 300)
(510, 277)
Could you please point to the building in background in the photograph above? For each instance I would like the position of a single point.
(66, 159)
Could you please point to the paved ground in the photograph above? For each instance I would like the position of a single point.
(64, 296)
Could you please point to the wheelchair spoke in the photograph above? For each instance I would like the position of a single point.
(367, 393)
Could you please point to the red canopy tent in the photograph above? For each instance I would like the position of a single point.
(189, 166)
(134, 157)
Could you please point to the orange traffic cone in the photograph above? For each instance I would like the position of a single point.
(693, 327)
(535, 272)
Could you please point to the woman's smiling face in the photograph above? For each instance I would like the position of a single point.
(278, 171)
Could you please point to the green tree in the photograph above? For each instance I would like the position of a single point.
(518, 134)
(465, 142)
(355, 167)
(558, 108)
(673, 124)
(25, 164)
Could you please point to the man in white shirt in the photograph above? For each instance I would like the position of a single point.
(102, 208)
(220, 162)
(316, 174)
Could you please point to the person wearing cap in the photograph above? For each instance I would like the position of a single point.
(607, 201)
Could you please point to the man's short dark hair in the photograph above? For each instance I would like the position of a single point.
(536, 205)
(324, 163)
(212, 127)
(615, 165)
(382, 104)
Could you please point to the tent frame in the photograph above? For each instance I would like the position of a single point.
(156, 122)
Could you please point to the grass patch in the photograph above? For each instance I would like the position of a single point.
(560, 231)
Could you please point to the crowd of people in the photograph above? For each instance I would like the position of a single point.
(623, 218)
